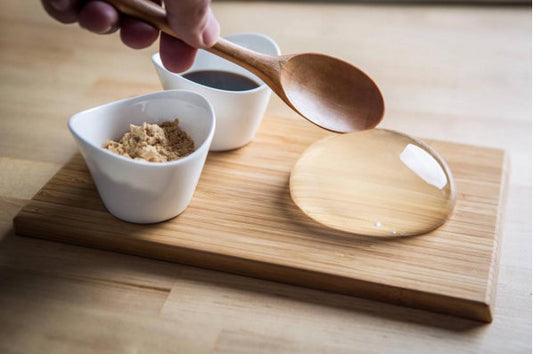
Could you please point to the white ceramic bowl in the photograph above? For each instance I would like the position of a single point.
(239, 113)
(139, 191)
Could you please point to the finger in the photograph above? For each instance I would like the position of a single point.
(211, 32)
(137, 34)
(99, 17)
(65, 11)
(176, 55)
(193, 21)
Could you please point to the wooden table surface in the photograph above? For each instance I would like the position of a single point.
(455, 73)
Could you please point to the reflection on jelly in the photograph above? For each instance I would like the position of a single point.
(424, 165)
(376, 182)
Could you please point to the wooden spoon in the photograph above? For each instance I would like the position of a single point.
(327, 91)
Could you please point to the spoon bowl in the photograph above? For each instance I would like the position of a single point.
(327, 91)
(331, 93)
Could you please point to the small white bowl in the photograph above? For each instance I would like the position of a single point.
(139, 191)
(239, 113)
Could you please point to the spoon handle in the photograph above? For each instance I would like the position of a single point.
(264, 66)
(144, 10)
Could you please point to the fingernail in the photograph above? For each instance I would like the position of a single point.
(60, 5)
(211, 31)
(106, 30)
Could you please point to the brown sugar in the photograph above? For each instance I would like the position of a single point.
(153, 142)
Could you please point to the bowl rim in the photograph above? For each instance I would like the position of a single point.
(156, 60)
(173, 92)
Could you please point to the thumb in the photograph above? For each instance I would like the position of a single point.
(193, 21)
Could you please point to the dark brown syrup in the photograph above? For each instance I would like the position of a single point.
(222, 80)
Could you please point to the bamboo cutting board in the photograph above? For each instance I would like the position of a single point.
(242, 220)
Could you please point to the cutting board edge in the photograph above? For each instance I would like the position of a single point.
(29, 224)
(490, 297)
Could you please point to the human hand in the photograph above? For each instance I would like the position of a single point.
(192, 20)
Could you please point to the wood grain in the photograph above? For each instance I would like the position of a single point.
(452, 73)
(242, 220)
